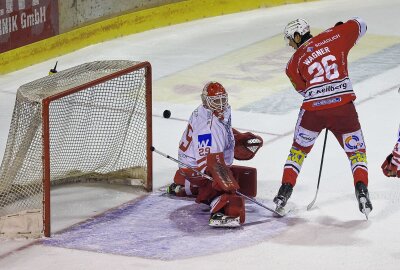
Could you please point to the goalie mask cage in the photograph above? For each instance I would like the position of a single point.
(93, 120)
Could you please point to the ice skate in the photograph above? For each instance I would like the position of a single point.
(362, 195)
(284, 193)
(221, 220)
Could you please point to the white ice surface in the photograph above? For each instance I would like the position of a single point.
(334, 235)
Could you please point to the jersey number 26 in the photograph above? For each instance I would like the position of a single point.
(327, 66)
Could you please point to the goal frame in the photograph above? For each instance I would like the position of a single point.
(46, 133)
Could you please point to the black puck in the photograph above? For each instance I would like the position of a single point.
(167, 114)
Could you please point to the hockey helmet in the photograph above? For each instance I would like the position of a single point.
(214, 96)
(300, 26)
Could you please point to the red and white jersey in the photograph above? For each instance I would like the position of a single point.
(318, 68)
(396, 152)
(206, 134)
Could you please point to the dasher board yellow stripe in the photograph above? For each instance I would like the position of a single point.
(124, 25)
(251, 73)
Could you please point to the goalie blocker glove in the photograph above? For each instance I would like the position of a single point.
(223, 179)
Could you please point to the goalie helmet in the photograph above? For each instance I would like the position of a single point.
(214, 97)
(300, 26)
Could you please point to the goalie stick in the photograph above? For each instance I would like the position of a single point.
(279, 214)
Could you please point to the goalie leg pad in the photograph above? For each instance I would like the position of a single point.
(188, 189)
(235, 207)
(231, 205)
(193, 177)
(179, 178)
(206, 193)
(247, 179)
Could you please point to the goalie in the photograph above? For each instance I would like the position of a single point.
(209, 144)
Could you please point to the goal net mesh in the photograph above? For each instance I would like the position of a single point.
(99, 131)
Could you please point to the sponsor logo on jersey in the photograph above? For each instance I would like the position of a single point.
(326, 101)
(310, 49)
(204, 140)
(353, 142)
(357, 158)
(327, 89)
(327, 40)
(296, 158)
(306, 137)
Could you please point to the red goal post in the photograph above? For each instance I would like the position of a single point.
(93, 121)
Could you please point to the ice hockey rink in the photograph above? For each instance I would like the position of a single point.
(247, 54)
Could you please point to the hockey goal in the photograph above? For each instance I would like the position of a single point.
(89, 121)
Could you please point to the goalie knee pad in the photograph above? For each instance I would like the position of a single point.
(247, 179)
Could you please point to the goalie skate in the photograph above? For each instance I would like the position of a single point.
(173, 189)
(220, 220)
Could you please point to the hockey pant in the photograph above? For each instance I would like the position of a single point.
(246, 177)
(343, 122)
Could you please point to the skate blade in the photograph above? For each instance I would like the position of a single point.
(365, 209)
(280, 211)
(225, 223)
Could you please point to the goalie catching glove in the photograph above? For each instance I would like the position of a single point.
(246, 145)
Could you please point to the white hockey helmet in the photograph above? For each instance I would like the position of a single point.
(300, 26)
(214, 96)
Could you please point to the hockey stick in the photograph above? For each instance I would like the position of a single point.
(320, 170)
(211, 179)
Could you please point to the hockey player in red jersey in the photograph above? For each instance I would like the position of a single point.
(318, 72)
(209, 144)
(391, 165)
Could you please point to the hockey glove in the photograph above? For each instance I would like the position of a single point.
(246, 145)
(389, 169)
